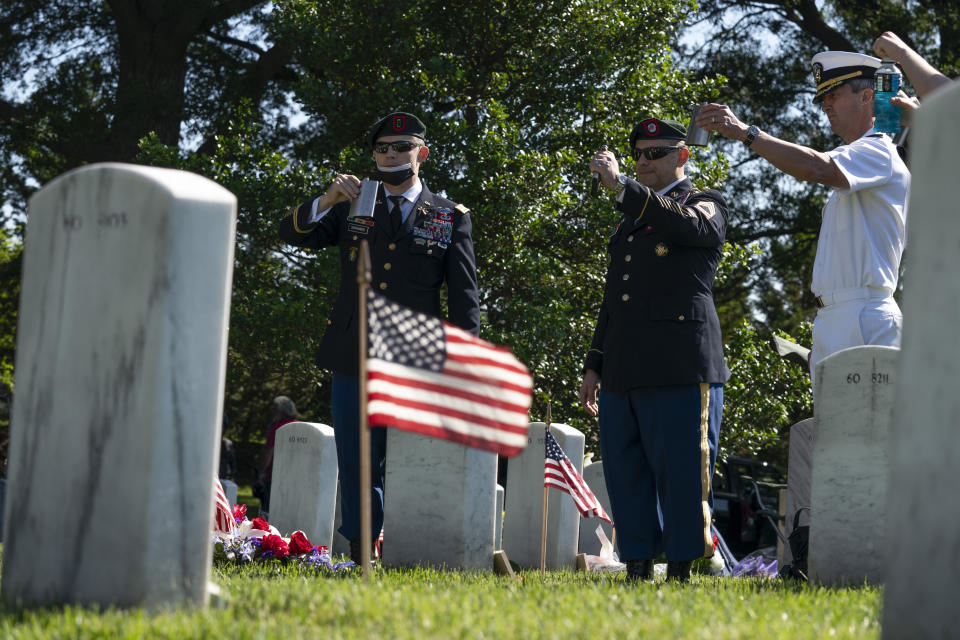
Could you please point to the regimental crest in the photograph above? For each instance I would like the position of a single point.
(652, 127)
(817, 72)
(399, 123)
(661, 249)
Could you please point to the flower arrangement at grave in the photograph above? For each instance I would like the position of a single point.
(258, 541)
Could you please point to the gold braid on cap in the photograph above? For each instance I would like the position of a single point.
(835, 81)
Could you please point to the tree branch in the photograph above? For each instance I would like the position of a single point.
(220, 12)
(219, 37)
(9, 111)
(252, 84)
(809, 18)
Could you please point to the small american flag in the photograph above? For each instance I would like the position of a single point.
(223, 514)
(432, 378)
(559, 473)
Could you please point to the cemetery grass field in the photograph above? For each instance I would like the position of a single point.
(273, 601)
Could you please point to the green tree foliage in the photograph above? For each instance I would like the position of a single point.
(11, 261)
(765, 396)
(510, 132)
(516, 96)
(83, 80)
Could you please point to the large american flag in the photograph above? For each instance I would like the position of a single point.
(559, 473)
(222, 513)
(430, 377)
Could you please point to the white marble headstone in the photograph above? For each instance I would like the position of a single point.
(589, 543)
(303, 493)
(439, 499)
(524, 503)
(121, 355)
(229, 490)
(848, 492)
(920, 598)
(3, 493)
(799, 463)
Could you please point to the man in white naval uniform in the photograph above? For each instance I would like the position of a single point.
(864, 221)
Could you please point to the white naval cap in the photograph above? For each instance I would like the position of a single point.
(832, 69)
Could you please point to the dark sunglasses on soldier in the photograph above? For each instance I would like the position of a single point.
(652, 153)
(399, 147)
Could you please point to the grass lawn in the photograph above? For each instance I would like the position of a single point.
(263, 601)
(245, 496)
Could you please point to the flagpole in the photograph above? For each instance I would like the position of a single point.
(363, 283)
(543, 528)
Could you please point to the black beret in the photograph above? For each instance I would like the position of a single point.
(395, 124)
(657, 129)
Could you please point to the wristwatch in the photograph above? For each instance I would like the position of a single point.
(621, 185)
(752, 132)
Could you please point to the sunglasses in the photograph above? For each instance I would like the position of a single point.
(399, 147)
(652, 153)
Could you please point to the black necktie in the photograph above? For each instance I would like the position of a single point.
(396, 216)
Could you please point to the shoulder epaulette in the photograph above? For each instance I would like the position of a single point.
(462, 209)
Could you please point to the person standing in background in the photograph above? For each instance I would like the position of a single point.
(282, 412)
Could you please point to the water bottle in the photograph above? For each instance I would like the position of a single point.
(886, 84)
